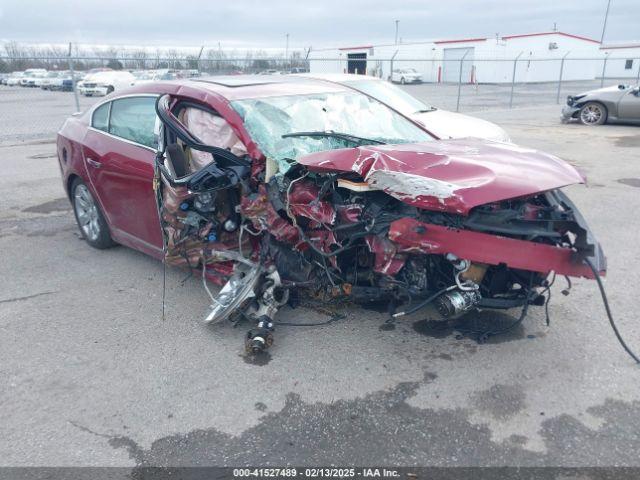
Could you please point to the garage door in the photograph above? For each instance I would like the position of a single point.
(451, 64)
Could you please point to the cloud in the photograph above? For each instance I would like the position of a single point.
(325, 23)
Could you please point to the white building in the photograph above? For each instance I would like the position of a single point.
(623, 60)
(473, 60)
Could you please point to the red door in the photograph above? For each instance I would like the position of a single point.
(121, 173)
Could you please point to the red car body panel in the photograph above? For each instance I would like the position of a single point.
(461, 174)
(121, 175)
(414, 236)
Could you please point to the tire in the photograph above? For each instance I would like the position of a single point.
(403, 81)
(93, 226)
(592, 113)
(110, 89)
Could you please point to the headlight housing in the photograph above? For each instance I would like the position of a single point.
(571, 100)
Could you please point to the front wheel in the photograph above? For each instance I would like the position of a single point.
(403, 81)
(593, 113)
(109, 89)
(92, 224)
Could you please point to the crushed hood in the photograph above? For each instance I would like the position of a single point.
(449, 175)
(610, 89)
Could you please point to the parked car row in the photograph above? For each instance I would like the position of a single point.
(39, 78)
(105, 81)
(95, 82)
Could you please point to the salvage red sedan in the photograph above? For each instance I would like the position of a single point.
(272, 185)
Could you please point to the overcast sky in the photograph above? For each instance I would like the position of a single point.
(262, 24)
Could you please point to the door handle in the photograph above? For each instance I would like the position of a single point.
(94, 163)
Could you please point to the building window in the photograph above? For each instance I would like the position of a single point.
(628, 64)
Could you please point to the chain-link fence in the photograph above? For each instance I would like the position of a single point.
(38, 93)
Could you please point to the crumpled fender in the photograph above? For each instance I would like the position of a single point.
(449, 175)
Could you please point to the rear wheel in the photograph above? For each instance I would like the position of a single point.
(403, 81)
(92, 224)
(593, 113)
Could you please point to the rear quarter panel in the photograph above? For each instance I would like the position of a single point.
(69, 149)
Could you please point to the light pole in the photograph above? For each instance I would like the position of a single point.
(397, 22)
(604, 24)
(286, 50)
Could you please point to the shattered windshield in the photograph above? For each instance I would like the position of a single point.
(343, 113)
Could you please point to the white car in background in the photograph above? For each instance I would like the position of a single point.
(31, 76)
(405, 75)
(155, 76)
(14, 79)
(441, 123)
(48, 79)
(104, 83)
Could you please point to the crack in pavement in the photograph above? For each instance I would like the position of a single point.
(28, 297)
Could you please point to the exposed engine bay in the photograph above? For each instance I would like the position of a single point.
(367, 224)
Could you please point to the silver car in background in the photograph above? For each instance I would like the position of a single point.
(616, 104)
(442, 123)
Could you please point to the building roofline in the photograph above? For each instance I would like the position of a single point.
(539, 34)
(614, 47)
(362, 47)
(461, 40)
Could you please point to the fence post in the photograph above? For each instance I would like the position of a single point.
(460, 81)
(604, 68)
(513, 79)
(560, 78)
(391, 65)
(198, 59)
(73, 81)
(307, 65)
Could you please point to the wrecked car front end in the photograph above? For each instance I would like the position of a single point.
(352, 201)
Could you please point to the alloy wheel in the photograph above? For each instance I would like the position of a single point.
(87, 212)
(591, 114)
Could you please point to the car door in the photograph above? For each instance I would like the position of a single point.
(629, 106)
(119, 156)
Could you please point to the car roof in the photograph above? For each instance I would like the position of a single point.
(239, 87)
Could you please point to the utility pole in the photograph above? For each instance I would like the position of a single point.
(604, 24)
(397, 22)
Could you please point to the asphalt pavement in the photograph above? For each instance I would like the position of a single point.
(91, 373)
